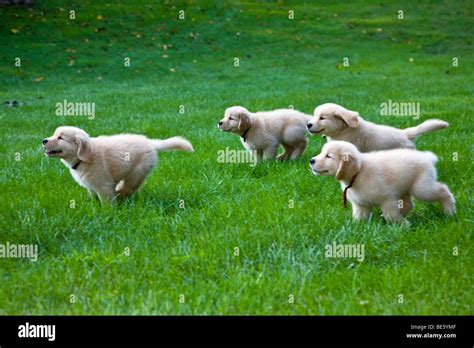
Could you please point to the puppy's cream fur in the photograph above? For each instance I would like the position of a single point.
(109, 166)
(339, 123)
(263, 132)
(386, 178)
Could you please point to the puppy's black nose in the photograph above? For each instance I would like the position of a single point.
(45, 141)
(220, 123)
(309, 125)
(312, 161)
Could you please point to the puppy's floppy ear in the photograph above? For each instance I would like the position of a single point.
(348, 167)
(351, 118)
(245, 121)
(84, 151)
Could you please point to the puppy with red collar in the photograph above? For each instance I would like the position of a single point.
(387, 179)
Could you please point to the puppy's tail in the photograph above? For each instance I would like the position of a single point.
(426, 127)
(174, 143)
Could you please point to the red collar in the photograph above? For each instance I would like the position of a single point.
(347, 188)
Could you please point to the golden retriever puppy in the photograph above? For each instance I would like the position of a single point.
(263, 132)
(386, 178)
(109, 166)
(338, 123)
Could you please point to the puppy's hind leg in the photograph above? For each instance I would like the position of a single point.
(299, 149)
(427, 189)
(134, 180)
(447, 200)
(287, 150)
(130, 185)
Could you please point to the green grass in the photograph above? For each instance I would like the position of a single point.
(189, 251)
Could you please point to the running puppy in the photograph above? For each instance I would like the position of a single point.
(109, 166)
(264, 131)
(386, 178)
(338, 123)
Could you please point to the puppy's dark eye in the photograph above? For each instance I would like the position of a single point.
(327, 156)
(322, 118)
(60, 138)
(230, 118)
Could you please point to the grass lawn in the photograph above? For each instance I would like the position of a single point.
(182, 260)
